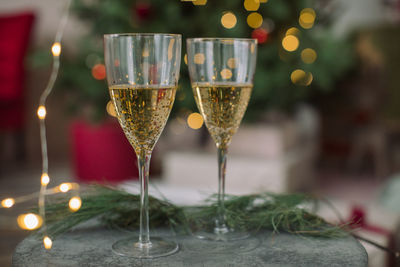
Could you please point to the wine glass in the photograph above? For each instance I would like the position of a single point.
(221, 72)
(142, 74)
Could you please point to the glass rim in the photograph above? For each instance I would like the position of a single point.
(133, 34)
(205, 39)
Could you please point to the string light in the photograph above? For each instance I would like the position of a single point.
(56, 49)
(195, 121)
(254, 20)
(228, 20)
(65, 187)
(75, 204)
(7, 203)
(47, 242)
(290, 43)
(41, 112)
(29, 221)
(45, 179)
(251, 5)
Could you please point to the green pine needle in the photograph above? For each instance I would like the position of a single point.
(267, 211)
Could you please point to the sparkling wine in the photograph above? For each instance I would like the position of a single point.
(142, 112)
(222, 106)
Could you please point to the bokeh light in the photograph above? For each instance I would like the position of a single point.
(231, 63)
(199, 58)
(111, 109)
(307, 18)
(199, 2)
(293, 31)
(8, 202)
(300, 77)
(75, 204)
(29, 221)
(254, 20)
(195, 121)
(47, 242)
(290, 43)
(226, 74)
(41, 112)
(99, 72)
(308, 55)
(185, 59)
(228, 20)
(251, 5)
(65, 187)
(56, 49)
(45, 179)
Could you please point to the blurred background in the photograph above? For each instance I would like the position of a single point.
(324, 117)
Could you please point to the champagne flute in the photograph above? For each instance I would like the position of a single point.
(142, 74)
(221, 72)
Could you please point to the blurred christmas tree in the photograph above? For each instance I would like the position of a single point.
(296, 55)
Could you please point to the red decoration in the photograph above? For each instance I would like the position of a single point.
(99, 72)
(143, 10)
(260, 34)
(15, 30)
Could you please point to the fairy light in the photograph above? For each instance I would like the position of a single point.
(56, 49)
(199, 2)
(32, 221)
(75, 204)
(47, 242)
(45, 179)
(41, 112)
(7, 203)
(65, 187)
(29, 221)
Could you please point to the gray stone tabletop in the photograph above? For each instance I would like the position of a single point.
(92, 247)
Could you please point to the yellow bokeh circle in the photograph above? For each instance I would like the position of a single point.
(254, 20)
(300, 77)
(290, 43)
(228, 20)
(195, 120)
(251, 5)
(308, 55)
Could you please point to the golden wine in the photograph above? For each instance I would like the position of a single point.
(222, 106)
(142, 113)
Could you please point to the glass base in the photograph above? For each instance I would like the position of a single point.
(223, 234)
(157, 248)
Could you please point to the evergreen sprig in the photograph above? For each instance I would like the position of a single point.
(267, 211)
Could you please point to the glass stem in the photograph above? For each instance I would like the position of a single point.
(220, 222)
(144, 165)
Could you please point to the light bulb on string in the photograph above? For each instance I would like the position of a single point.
(7, 203)
(45, 179)
(41, 112)
(56, 49)
(75, 204)
(29, 221)
(47, 242)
